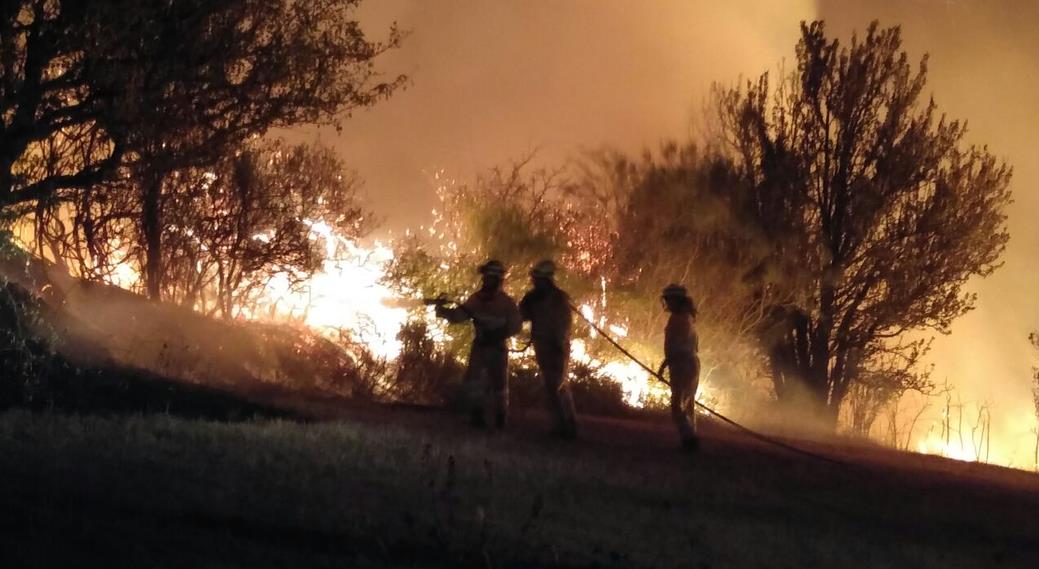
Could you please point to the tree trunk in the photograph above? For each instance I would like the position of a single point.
(152, 225)
(799, 376)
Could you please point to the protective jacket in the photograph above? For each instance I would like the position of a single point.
(548, 310)
(494, 314)
(680, 356)
(495, 318)
(681, 345)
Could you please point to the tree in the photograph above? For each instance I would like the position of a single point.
(267, 212)
(133, 91)
(1033, 338)
(870, 209)
(516, 214)
(229, 229)
(58, 91)
(251, 65)
(664, 218)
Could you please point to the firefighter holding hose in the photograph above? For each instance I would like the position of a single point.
(682, 362)
(495, 319)
(547, 307)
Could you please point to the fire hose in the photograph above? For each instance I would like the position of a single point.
(745, 430)
(441, 301)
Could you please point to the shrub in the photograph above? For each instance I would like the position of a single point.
(596, 394)
(26, 353)
(425, 374)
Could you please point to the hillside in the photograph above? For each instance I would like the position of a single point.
(106, 349)
(385, 487)
(364, 485)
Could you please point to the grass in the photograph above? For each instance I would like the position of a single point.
(386, 488)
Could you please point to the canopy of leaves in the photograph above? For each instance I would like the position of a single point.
(85, 86)
(873, 211)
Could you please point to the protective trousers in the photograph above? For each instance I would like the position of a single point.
(552, 361)
(486, 382)
(685, 379)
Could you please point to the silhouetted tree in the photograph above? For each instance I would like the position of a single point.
(1034, 339)
(871, 210)
(154, 87)
(646, 222)
(267, 212)
(882, 381)
(59, 90)
(250, 65)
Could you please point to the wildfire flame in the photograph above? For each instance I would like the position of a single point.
(347, 293)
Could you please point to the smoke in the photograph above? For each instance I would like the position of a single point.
(494, 80)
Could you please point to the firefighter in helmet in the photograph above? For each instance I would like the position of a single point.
(495, 318)
(547, 307)
(682, 361)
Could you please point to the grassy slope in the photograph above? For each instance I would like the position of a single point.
(399, 488)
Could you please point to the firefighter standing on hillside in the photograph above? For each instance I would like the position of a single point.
(682, 362)
(547, 307)
(495, 318)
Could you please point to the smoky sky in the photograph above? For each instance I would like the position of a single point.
(491, 81)
(494, 80)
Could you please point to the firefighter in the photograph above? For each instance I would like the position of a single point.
(547, 307)
(495, 318)
(682, 362)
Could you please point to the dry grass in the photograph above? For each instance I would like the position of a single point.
(402, 489)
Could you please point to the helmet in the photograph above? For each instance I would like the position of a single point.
(492, 268)
(675, 291)
(678, 292)
(545, 269)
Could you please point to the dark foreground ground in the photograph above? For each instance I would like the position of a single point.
(403, 488)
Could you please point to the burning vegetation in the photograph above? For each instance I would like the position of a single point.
(826, 229)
